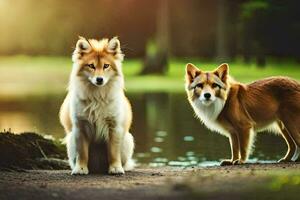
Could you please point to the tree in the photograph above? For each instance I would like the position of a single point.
(270, 28)
(254, 28)
(156, 61)
(222, 38)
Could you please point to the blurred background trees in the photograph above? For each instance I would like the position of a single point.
(153, 30)
(269, 28)
(157, 53)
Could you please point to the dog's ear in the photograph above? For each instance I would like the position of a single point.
(222, 72)
(83, 45)
(114, 46)
(191, 72)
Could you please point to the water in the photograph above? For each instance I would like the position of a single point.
(165, 129)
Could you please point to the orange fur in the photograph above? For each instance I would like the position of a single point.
(96, 106)
(245, 109)
(64, 115)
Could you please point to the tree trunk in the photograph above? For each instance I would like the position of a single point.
(157, 63)
(247, 46)
(261, 61)
(222, 32)
(260, 55)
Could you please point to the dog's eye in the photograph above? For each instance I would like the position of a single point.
(199, 85)
(105, 66)
(214, 85)
(91, 66)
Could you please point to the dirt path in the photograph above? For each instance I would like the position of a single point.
(259, 181)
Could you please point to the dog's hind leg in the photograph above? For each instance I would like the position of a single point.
(64, 115)
(291, 123)
(295, 134)
(292, 147)
(289, 114)
(296, 156)
(127, 152)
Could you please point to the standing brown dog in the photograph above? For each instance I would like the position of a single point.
(238, 111)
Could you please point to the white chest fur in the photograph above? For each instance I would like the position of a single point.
(209, 114)
(100, 108)
(103, 115)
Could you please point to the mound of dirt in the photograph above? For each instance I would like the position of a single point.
(30, 151)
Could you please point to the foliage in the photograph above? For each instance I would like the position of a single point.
(249, 8)
(270, 27)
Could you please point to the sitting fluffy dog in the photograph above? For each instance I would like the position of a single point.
(96, 107)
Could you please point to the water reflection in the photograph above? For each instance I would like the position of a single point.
(165, 129)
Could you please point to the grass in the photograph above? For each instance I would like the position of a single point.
(21, 75)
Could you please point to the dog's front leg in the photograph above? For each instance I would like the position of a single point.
(114, 150)
(246, 136)
(235, 153)
(78, 146)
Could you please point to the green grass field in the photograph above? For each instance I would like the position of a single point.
(25, 75)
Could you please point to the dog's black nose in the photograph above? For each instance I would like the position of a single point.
(207, 96)
(99, 80)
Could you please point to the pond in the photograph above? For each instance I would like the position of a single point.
(164, 126)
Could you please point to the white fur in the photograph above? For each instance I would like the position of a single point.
(128, 148)
(208, 114)
(250, 143)
(100, 102)
(296, 154)
(272, 127)
(95, 104)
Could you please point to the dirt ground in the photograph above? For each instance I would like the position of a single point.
(250, 181)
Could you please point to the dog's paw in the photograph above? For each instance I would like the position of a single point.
(237, 162)
(116, 170)
(80, 170)
(226, 163)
